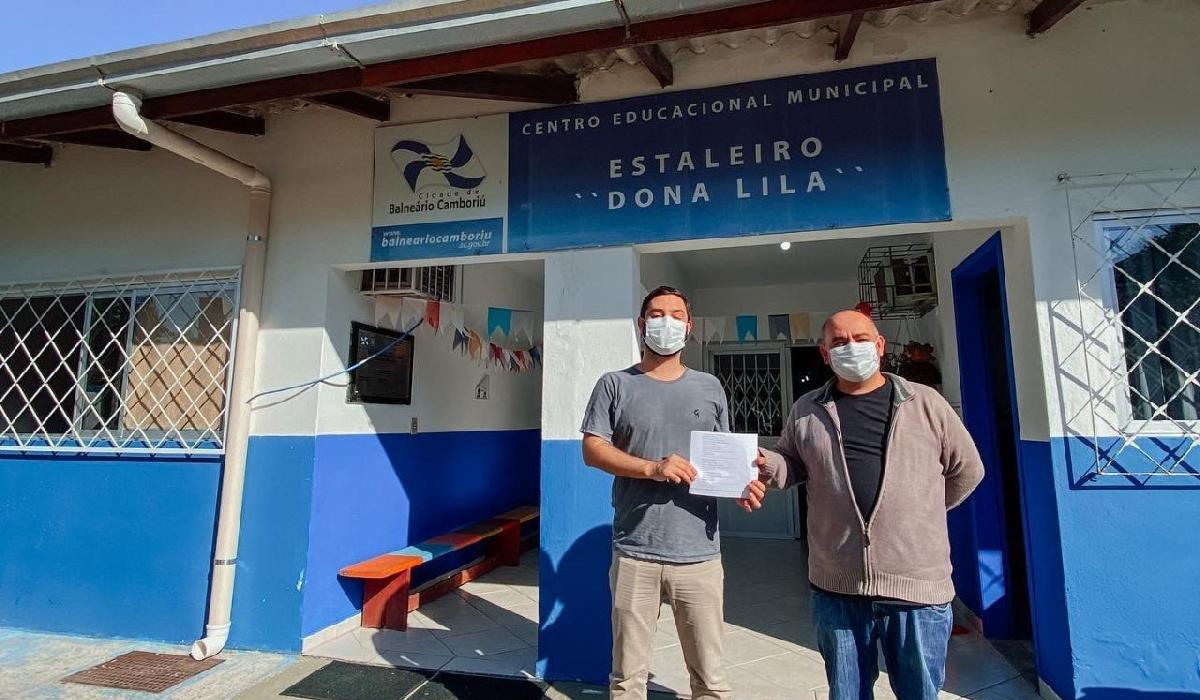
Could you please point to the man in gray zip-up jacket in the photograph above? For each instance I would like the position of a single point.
(884, 459)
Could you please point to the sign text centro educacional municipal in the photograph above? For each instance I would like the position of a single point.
(855, 147)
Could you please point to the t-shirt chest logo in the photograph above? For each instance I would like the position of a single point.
(696, 413)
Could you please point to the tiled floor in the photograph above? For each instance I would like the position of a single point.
(490, 627)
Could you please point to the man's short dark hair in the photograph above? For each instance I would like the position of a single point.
(665, 291)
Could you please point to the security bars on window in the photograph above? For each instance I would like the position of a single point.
(1136, 242)
(754, 384)
(135, 364)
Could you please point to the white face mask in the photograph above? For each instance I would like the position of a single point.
(665, 335)
(854, 362)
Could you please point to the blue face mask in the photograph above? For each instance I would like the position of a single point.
(665, 335)
(854, 362)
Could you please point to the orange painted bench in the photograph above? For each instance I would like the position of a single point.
(387, 578)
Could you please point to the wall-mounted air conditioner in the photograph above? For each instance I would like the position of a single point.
(421, 282)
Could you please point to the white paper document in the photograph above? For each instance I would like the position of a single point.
(725, 462)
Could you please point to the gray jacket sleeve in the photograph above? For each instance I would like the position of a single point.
(784, 467)
(961, 463)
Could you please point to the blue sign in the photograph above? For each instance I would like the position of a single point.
(439, 238)
(855, 147)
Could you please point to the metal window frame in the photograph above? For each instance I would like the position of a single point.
(137, 441)
(1163, 426)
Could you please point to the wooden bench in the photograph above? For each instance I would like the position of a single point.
(386, 578)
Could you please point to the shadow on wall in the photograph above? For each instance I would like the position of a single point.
(1128, 463)
(1130, 694)
(574, 622)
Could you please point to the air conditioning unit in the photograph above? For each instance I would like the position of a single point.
(898, 281)
(419, 282)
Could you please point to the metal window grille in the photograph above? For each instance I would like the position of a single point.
(435, 282)
(1136, 244)
(754, 384)
(121, 364)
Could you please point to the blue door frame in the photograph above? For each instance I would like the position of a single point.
(985, 572)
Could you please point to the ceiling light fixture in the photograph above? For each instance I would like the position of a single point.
(786, 245)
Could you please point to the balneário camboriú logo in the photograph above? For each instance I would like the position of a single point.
(451, 165)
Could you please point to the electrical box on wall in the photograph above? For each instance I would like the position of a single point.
(483, 387)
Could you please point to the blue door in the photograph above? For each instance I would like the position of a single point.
(988, 534)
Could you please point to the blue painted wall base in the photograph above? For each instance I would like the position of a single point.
(107, 547)
(575, 637)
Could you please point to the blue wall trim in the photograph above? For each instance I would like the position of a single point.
(374, 493)
(112, 547)
(1047, 597)
(575, 638)
(267, 596)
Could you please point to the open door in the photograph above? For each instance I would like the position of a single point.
(988, 533)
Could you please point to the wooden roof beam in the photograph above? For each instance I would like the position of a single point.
(492, 85)
(224, 120)
(21, 153)
(846, 37)
(655, 61)
(356, 103)
(1048, 13)
(104, 138)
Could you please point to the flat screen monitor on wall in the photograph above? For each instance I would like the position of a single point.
(383, 379)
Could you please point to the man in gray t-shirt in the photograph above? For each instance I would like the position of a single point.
(666, 542)
(653, 419)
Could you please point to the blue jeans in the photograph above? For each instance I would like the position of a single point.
(914, 640)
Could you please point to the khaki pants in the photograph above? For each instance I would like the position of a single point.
(696, 594)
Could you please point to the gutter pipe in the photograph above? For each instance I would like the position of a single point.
(127, 112)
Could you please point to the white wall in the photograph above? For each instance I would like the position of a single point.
(443, 380)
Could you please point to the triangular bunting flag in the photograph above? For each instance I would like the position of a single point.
(799, 326)
(453, 316)
(499, 321)
(412, 312)
(460, 341)
(714, 329)
(474, 345)
(535, 354)
(522, 325)
(747, 328)
(433, 315)
(779, 327)
(816, 320)
(697, 331)
(387, 313)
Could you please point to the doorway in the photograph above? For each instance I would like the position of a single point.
(993, 568)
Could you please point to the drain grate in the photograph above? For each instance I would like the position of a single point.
(141, 670)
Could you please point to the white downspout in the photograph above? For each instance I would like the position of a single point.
(126, 110)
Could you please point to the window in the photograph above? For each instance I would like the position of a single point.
(1156, 299)
(138, 363)
(383, 379)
